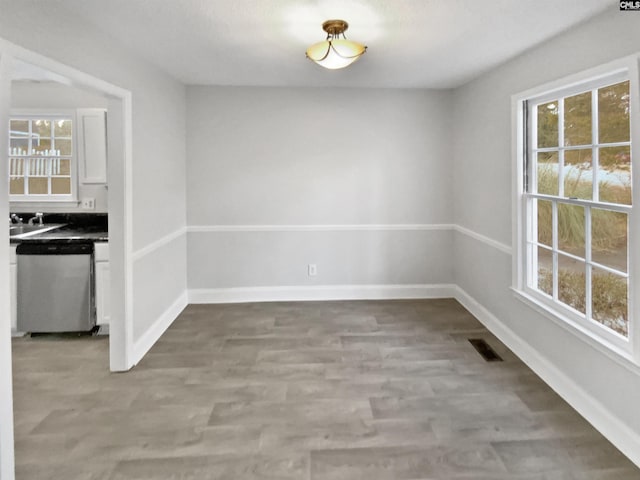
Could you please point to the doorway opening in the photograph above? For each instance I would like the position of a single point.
(14, 62)
(30, 71)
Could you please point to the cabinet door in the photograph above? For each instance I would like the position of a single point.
(103, 293)
(92, 145)
(13, 295)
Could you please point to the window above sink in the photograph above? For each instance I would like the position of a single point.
(42, 161)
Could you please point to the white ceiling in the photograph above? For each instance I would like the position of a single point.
(412, 43)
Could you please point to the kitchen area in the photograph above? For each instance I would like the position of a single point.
(58, 232)
(59, 274)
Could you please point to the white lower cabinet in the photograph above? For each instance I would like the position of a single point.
(103, 284)
(13, 287)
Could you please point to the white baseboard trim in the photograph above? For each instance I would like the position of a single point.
(319, 292)
(151, 336)
(616, 431)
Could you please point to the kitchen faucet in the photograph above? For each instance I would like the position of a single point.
(39, 217)
(15, 219)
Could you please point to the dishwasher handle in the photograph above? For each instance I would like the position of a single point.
(54, 249)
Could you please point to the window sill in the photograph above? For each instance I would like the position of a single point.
(612, 351)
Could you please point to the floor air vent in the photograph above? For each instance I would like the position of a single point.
(485, 350)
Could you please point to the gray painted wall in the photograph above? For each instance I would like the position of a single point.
(26, 94)
(482, 198)
(314, 156)
(250, 259)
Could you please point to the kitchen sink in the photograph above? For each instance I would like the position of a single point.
(22, 231)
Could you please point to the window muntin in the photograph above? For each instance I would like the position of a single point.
(578, 202)
(41, 158)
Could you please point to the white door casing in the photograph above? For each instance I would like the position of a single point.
(119, 174)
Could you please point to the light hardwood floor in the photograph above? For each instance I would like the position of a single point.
(308, 391)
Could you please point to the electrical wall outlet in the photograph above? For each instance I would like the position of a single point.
(88, 203)
(312, 269)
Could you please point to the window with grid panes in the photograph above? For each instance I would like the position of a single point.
(577, 204)
(41, 158)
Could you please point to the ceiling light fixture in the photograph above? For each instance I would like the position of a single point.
(335, 52)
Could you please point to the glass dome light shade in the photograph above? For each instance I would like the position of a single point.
(335, 53)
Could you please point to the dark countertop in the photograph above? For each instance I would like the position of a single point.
(73, 228)
(67, 234)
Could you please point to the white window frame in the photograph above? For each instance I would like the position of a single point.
(44, 114)
(612, 344)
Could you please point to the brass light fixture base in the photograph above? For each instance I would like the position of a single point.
(335, 51)
(335, 27)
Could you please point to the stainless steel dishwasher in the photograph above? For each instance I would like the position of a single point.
(55, 287)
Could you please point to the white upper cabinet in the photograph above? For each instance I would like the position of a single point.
(92, 145)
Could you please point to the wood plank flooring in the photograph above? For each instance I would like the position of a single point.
(307, 391)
